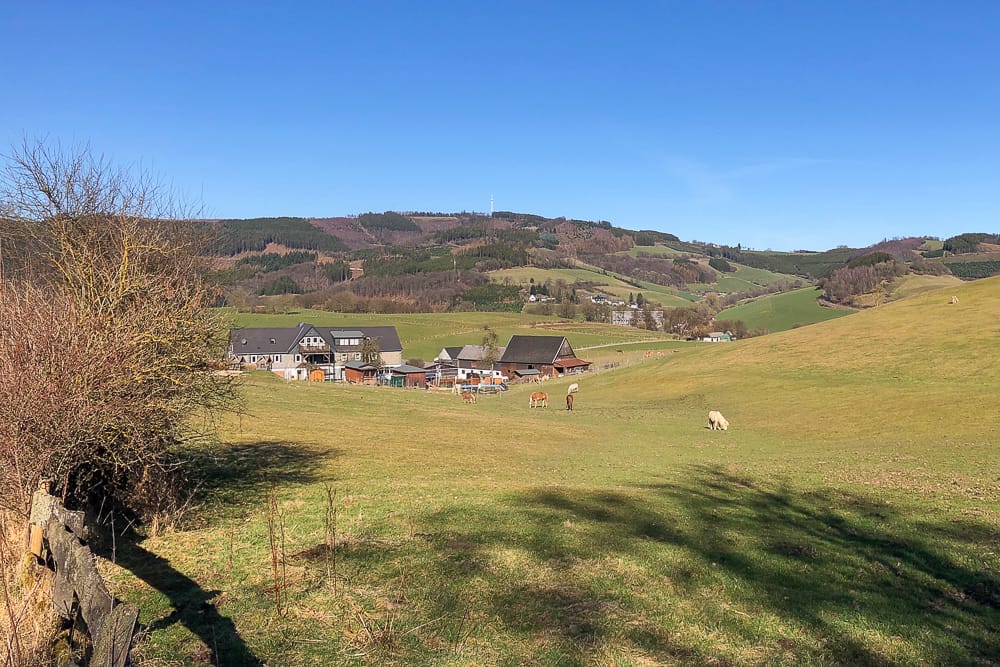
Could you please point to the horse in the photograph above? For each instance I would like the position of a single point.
(538, 399)
(468, 397)
(569, 401)
(573, 388)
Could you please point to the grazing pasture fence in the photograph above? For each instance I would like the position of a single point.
(58, 537)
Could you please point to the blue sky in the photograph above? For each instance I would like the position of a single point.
(786, 125)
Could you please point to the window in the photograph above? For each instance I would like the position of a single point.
(272, 341)
(253, 358)
(357, 356)
(244, 341)
(298, 357)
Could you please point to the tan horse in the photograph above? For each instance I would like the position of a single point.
(538, 399)
(468, 397)
(569, 401)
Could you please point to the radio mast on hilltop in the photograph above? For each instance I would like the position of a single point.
(491, 204)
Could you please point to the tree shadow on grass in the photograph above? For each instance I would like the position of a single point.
(227, 477)
(830, 565)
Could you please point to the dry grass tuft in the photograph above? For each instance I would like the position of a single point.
(27, 623)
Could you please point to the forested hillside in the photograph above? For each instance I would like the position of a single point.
(438, 261)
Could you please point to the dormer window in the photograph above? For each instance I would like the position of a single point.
(272, 341)
(244, 341)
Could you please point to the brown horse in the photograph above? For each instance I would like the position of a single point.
(538, 399)
(569, 401)
(468, 397)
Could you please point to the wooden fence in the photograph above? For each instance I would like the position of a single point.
(58, 537)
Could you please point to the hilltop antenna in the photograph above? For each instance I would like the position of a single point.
(491, 204)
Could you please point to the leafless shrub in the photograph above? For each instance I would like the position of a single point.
(105, 334)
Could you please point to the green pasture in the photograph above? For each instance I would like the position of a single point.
(424, 334)
(778, 312)
(662, 250)
(913, 284)
(849, 516)
(606, 283)
(972, 257)
(743, 279)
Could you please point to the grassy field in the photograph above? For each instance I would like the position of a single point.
(778, 312)
(660, 250)
(741, 280)
(913, 284)
(608, 284)
(848, 517)
(424, 334)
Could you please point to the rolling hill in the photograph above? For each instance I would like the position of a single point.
(778, 312)
(848, 516)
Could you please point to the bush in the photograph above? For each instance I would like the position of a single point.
(105, 336)
(720, 264)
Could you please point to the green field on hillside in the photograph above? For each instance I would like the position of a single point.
(661, 250)
(607, 284)
(849, 516)
(778, 312)
(743, 279)
(424, 334)
(913, 284)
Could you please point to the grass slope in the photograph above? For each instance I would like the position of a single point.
(849, 515)
(778, 312)
(424, 334)
(608, 284)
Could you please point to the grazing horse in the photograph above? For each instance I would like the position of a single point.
(468, 397)
(569, 401)
(573, 388)
(538, 399)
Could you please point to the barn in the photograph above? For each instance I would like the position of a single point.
(408, 376)
(549, 355)
(360, 372)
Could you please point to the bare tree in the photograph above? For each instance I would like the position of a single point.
(491, 353)
(105, 332)
(370, 352)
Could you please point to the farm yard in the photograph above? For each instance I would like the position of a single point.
(849, 515)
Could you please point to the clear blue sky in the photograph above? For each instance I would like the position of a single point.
(793, 124)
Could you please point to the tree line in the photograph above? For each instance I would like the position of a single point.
(253, 235)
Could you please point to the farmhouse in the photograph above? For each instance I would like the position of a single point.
(550, 355)
(719, 337)
(449, 355)
(472, 356)
(296, 353)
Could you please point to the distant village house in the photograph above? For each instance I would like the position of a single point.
(297, 353)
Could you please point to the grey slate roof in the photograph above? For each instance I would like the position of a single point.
(341, 333)
(406, 369)
(259, 339)
(266, 340)
(533, 349)
(476, 353)
(359, 365)
(452, 352)
(388, 339)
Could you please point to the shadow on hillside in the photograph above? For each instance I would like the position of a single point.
(193, 607)
(235, 475)
(831, 564)
(226, 477)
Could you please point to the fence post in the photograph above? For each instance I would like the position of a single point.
(111, 623)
